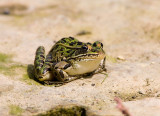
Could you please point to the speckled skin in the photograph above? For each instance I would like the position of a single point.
(65, 54)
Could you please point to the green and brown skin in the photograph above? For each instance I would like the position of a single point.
(69, 59)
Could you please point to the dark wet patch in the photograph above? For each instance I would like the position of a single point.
(12, 9)
(84, 32)
(66, 111)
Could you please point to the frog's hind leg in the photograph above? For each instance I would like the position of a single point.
(39, 60)
(61, 77)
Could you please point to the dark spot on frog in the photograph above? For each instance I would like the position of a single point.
(61, 49)
(71, 38)
(37, 58)
(63, 39)
(37, 53)
(66, 66)
(49, 69)
(42, 56)
(94, 44)
(55, 74)
(72, 43)
(49, 56)
(61, 73)
(69, 51)
(79, 43)
(62, 53)
(41, 65)
(93, 50)
(41, 61)
(56, 47)
(89, 43)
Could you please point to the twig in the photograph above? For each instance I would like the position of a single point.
(121, 107)
(105, 77)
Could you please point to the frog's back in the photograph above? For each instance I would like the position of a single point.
(64, 48)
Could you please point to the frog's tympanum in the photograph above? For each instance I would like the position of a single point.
(69, 59)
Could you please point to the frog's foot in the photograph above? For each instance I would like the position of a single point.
(58, 83)
(71, 79)
(62, 76)
(54, 83)
(100, 70)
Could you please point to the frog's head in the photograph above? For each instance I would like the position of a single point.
(87, 58)
(90, 51)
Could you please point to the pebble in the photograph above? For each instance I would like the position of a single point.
(93, 84)
(120, 58)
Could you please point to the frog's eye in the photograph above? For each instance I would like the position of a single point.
(95, 44)
(101, 45)
(85, 48)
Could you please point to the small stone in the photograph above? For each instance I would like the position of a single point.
(133, 97)
(92, 103)
(83, 32)
(158, 95)
(93, 84)
(140, 92)
(46, 99)
(6, 12)
(100, 108)
(120, 58)
(31, 109)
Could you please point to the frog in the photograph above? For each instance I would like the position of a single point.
(69, 59)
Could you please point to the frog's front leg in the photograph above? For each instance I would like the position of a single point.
(101, 67)
(59, 73)
(40, 66)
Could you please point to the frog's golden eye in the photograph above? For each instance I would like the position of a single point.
(98, 44)
(89, 47)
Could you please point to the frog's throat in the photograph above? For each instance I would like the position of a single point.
(84, 65)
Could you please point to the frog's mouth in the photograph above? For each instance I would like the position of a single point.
(88, 56)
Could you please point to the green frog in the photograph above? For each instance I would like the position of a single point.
(69, 59)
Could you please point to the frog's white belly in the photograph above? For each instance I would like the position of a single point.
(84, 66)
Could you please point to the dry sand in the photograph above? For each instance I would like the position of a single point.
(129, 30)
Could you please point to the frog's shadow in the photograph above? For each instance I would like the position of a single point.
(31, 74)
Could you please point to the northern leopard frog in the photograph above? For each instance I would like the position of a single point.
(68, 60)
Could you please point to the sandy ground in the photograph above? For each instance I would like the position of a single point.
(129, 29)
